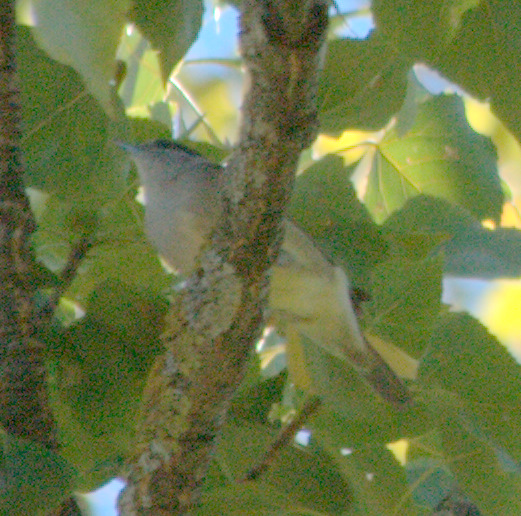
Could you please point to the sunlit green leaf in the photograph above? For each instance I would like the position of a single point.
(439, 156)
(142, 86)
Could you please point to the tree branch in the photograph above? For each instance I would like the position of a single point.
(211, 331)
(285, 437)
(24, 409)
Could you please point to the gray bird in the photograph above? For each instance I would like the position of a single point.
(183, 205)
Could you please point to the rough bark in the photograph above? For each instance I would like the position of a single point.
(24, 409)
(212, 328)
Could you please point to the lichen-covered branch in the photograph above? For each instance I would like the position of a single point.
(214, 323)
(24, 409)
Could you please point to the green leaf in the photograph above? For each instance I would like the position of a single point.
(432, 479)
(427, 215)
(66, 146)
(362, 85)
(378, 425)
(484, 253)
(254, 403)
(129, 314)
(142, 86)
(242, 444)
(440, 156)
(325, 205)
(466, 361)
(143, 129)
(251, 499)
(34, 479)
(475, 44)
(420, 29)
(121, 250)
(405, 302)
(60, 226)
(338, 384)
(415, 95)
(97, 452)
(485, 58)
(99, 367)
(311, 480)
(171, 26)
(426, 224)
(87, 38)
(478, 471)
(377, 480)
(298, 481)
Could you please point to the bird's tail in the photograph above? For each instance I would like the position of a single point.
(385, 381)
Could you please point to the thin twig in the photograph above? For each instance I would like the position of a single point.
(286, 435)
(67, 275)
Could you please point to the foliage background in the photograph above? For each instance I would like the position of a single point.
(429, 202)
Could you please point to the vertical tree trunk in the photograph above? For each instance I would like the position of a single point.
(213, 326)
(24, 409)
